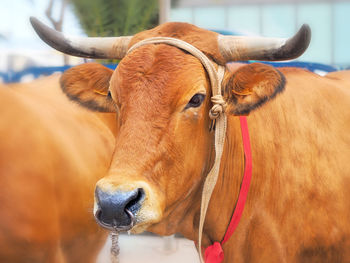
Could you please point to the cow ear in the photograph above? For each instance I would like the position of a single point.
(88, 84)
(251, 86)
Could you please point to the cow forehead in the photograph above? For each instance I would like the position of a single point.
(160, 74)
(204, 40)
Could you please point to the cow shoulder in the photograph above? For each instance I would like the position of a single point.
(88, 85)
(342, 75)
(250, 86)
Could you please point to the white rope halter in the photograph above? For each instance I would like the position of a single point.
(216, 112)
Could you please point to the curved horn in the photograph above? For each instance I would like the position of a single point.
(87, 47)
(235, 48)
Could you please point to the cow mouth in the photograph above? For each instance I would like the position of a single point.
(114, 226)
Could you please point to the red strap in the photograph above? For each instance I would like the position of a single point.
(214, 253)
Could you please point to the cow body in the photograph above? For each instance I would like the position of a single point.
(297, 208)
(51, 154)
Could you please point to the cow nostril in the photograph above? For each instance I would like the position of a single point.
(135, 204)
(98, 215)
(117, 210)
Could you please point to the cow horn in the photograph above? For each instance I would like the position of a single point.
(235, 48)
(87, 47)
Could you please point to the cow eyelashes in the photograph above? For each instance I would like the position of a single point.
(195, 101)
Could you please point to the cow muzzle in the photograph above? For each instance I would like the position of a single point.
(116, 210)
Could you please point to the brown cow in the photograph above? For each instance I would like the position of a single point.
(52, 152)
(297, 208)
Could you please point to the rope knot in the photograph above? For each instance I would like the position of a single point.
(214, 253)
(219, 106)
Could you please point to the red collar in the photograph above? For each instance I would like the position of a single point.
(214, 253)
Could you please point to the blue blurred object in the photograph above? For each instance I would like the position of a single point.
(318, 68)
(227, 32)
(35, 72)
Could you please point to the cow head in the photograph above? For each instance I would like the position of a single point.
(162, 96)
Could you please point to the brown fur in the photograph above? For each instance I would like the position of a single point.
(52, 152)
(297, 208)
(204, 40)
(96, 77)
(251, 86)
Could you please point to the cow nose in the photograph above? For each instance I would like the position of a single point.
(116, 210)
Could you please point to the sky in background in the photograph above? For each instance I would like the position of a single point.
(329, 21)
(18, 32)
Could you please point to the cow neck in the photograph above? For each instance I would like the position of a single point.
(214, 253)
(216, 113)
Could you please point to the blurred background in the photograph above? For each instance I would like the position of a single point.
(21, 48)
(329, 22)
(23, 56)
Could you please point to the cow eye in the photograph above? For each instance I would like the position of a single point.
(195, 101)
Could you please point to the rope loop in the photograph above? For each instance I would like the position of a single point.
(115, 247)
(219, 106)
